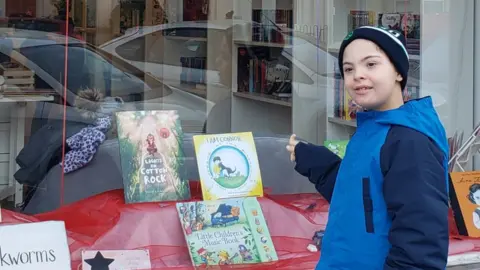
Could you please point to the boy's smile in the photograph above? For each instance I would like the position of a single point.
(362, 89)
(370, 77)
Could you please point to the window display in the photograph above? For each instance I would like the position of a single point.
(269, 68)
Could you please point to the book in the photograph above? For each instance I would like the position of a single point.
(465, 201)
(151, 155)
(228, 165)
(227, 231)
(337, 147)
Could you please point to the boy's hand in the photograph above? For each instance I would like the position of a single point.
(291, 146)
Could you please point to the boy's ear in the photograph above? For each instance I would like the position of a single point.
(399, 77)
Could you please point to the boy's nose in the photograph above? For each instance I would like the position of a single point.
(359, 74)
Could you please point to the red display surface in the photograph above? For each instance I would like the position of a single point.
(105, 222)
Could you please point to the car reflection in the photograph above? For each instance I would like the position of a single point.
(89, 68)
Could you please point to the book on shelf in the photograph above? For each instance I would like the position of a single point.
(358, 18)
(195, 10)
(228, 165)
(406, 23)
(465, 201)
(226, 232)
(151, 155)
(269, 25)
(261, 74)
(344, 106)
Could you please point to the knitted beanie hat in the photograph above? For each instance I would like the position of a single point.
(392, 42)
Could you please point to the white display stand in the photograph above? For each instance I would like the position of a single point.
(12, 134)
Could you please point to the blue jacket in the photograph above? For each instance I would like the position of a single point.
(389, 195)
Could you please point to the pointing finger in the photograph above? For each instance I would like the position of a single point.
(293, 140)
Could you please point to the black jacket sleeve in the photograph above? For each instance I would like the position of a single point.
(415, 192)
(320, 165)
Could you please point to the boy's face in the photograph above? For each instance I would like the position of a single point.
(370, 77)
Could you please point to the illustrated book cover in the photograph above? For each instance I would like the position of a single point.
(465, 201)
(227, 231)
(337, 147)
(152, 158)
(116, 259)
(228, 165)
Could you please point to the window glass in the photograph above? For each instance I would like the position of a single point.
(264, 66)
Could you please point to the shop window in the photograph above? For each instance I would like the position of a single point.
(87, 69)
(170, 46)
(133, 50)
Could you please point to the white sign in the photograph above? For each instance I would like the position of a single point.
(116, 259)
(34, 246)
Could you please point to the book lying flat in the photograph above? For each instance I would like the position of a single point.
(224, 232)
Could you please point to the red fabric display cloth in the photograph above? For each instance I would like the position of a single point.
(105, 222)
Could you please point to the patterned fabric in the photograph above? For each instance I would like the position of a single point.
(84, 144)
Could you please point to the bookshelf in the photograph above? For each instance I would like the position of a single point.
(257, 69)
(315, 111)
(272, 91)
(257, 75)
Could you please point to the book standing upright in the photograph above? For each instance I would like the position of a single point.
(228, 165)
(151, 153)
(465, 201)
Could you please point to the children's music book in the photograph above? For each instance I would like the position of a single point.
(228, 165)
(151, 154)
(465, 201)
(227, 231)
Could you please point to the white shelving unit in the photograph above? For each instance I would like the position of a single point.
(304, 112)
(12, 134)
(254, 111)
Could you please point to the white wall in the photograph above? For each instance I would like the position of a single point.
(308, 19)
(447, 64)
(476, 94)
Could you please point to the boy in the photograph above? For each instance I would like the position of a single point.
(389, 207)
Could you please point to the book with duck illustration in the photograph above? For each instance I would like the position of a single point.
(226, 232)
(228, 165)
(151, 155)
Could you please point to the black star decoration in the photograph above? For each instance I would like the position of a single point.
(99, 262)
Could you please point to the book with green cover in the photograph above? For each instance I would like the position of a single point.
(337, 147)
(151, 155)
(226, 231)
